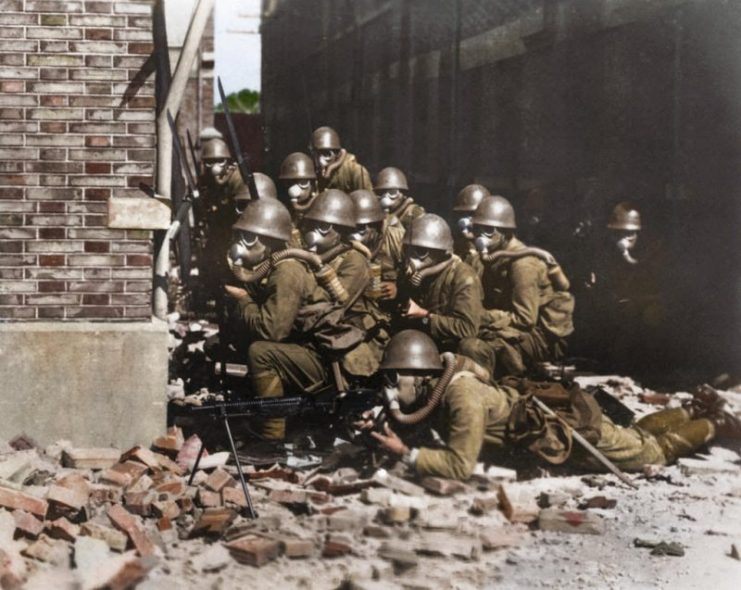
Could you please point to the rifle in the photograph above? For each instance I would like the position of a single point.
(193, 155)
(243, 164)
(193, 194)
(344, 408)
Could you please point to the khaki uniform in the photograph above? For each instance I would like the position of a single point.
(407, 213)
(453, 298)
(466, 250)
(390, 255)
(299, 367)
(525, 319)
(470, 414)
(350, 176)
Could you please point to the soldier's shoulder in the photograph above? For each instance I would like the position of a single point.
(290, 269)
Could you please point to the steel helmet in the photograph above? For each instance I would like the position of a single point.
(625, 216)
(469, 198)
(411, 350)
(391, 179)
(215, 149)
(266, 217)
(367, 207)
(265, 188)
(325, 138)
(332, 206)
(297, 166)
(210, 133)
(429, 231)
(495, 211)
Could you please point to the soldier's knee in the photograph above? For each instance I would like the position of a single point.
(260, 356)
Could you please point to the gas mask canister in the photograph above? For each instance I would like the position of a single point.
(247, 250)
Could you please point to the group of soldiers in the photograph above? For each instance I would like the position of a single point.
(351, 280)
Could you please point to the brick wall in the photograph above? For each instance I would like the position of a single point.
(76, 129)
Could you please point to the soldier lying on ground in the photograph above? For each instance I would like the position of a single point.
(470, 413)
(528, 310)
(439, 293)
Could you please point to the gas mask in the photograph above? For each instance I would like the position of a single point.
(247, 250)
(488, 239)
(217, 169)
(626, 242)
(391, 199)
(320, 237)
(367, 234)
(417, 259)
(324, 158)
(300, 191)
(403, 390)
(465, 226)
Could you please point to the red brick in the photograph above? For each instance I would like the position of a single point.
(97, 167)
(27, 524)
(208, 499)
(52, 207)
(54, 101)
(50, 312)
(51, 286)
(13, 499)
(98, 194)
(12, 86)
(97, 246)
(138, 260)
(53, 126)
(99, 34)
(95, 299)
(61, 528)
(66, 497)
(127, 523)
(213, 522)
(139, 502)
(51, 260)
(140, 48)
(253, 550)
(54, 74)
(218, 480)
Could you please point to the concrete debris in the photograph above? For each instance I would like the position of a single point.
(97, 458)
(569, 521)
(518, 504)
(671, 548)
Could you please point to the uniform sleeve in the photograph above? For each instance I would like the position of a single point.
(524, 275)
(354, 273)
(361, 178)
(466, 420)
(463, 316)
(284, 293)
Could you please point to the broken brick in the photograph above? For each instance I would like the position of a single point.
(128, 523)
(483, 505)
(61, 528)
(164, 524)
(186, 504)
(402, 559)
(90, 458)
(22, 442)
(145, 456)
(102, 494)
(297, 548)
(171, 443)
(213, 522)
(48, 550)
(75, 481)
(218, 480)
(288, 496)
(395, 514)
(234, 496)
(385, 479)
(337, 545)
(139, 502)
(442, 486)
(254, 550)
(27, 524)
(570, 521)
(74, 499)
(141, 485)
(443, 543)
(598, 502)
(115, 477)
(166, 509)
(517, 505)
(173, 487)
(116, 540)
(208, 499)
(164, 462)
(498, 538)
(189, 452)
(13, 499)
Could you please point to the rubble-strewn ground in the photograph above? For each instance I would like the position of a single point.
(89, 518)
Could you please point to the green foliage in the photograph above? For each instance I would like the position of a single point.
(244, 101)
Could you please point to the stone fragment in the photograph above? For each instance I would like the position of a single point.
(61, 528)
(218, 480)
(443, 543)
(443, 487)
(17, 467)
(116, 540)
(90, 458)
(346, 520)
(395, 514)
(399, 555)
(493, 538)
(337, 545)
(297, 548)
(15, 500)
(27, 524)
(23, 442)
(48, 550)
(552, 499)
(213, 522)
(517, 504)
(385, 479)
(73, 499)
(208, 499)
(214, 558)
(126, 522)
(234, 496)
(254, 550)
(379, 496)
(447, 521)
(734, 552)
(483, 505)
(690, 466)
(598, 502)
(377, 532)
(568, 521)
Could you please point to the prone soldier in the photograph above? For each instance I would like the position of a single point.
(471, 414)
(392, 188)
(527, 307)
(336, 167)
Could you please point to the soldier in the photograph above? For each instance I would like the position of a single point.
(527, 308)
(384, 243)
(391, 187)
(469, 414)
(265, 189)
(336, 168)
(441, 294)
(299, 181)
(302, 364)
(464, 207)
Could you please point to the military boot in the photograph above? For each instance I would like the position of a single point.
(685, 439)
(270, 385)
(663, 420)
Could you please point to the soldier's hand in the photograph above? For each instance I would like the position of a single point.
(367, 421)
(415, 311)
(235, 292)
(388, 290)
(390, 441)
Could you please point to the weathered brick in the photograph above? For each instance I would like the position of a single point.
(12, 59)
(99, 35)
(94, 312)
(95, 287)
(54, 74)
(61, 61)
(99, 7)
(55, 101)
(50, 207)
(99, 61)
(131, 273)
(57, 32)
(95, 220)
(102, 155)
(20, 46)
(140, 48)
(50, 312)
(97, 234)
(18, 313)
(11, 32)
(17, 233)
(20, 73)
(56, 88)
(89, 20)
(52, 154)
(53, 20)
(53, 6)
(17, 287)
(96, 74)
(52, 299)
(11, 5)
(55, 140)
(98, 128)
(132, 35)
(134, 247)
(51, 260)
(131, 8)
(16, 500)
(134, 141)
(86, 208)
(99, 88)
(11, 247)
(96, 299)
(53, 47)
(62, 113)
(95, 260)
(53, 273)
(138, 22)
(19, 154)
(98, 114)
(98, 47)
(43, 193)
(140, 155)
(6, 140)
(53, 219)
(95, 101)
(52, 233)
(20, 100)
(12, 86)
